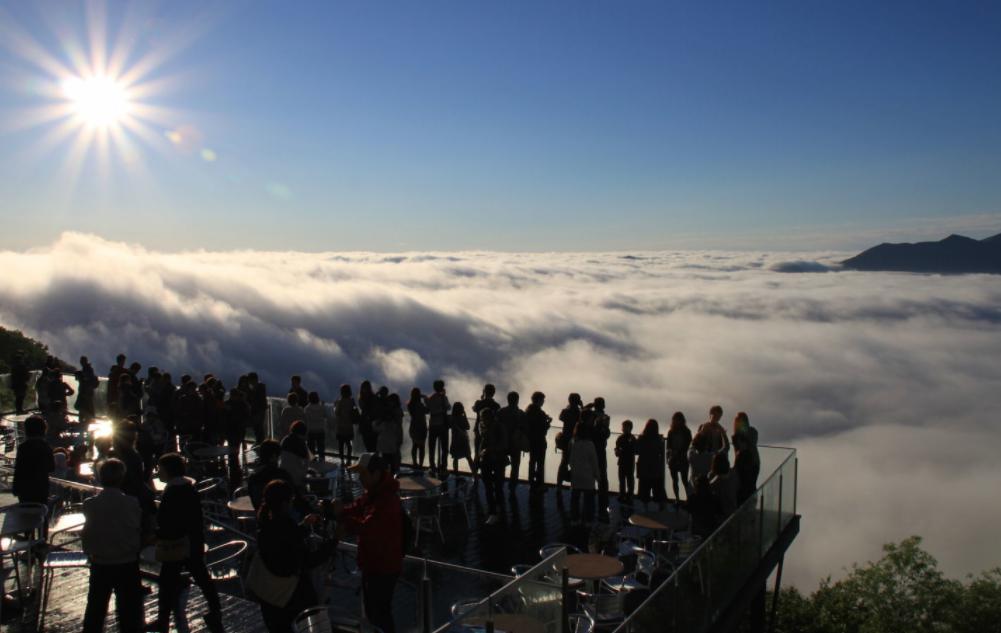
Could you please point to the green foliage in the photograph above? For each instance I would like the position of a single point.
(12, 341)
(904, 591)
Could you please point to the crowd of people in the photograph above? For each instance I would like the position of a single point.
(153, 417)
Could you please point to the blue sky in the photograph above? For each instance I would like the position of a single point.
(520, 125)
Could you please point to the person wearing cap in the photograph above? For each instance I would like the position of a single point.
(376, 519)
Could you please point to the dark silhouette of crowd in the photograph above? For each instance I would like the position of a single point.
(155, 424)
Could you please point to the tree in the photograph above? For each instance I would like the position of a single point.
(904, 591)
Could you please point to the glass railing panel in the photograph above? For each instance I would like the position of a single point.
(697, 593)
(535, 596)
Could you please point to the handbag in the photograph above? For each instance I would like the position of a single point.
(173, 550)
(267, 587)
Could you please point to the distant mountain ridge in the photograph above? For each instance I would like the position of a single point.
(955, 254)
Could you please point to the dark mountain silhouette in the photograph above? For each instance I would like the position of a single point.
(953, 255)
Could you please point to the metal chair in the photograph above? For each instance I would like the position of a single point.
(32, 516)
(427, 515)
(226, 557)
(59, 559)
(604, 610)
(322, 619)
(640, 577)
(462, 607)
(551, 548)
(518, 570)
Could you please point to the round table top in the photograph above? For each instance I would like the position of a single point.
(323, 468)
(593, 566)
(418, 483)
(660, 521)
(211, 451)
(241, 504)
(510, 623)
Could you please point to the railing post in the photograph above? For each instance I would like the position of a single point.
(424, 600)
(778, 522)
(795, 482)
(761, 524)
(564, 606)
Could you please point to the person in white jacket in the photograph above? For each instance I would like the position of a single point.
(316, 426)
(583, 472)
(390, 430)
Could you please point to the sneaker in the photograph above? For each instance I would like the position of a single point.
(492, 519)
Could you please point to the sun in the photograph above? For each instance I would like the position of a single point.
(98, 101)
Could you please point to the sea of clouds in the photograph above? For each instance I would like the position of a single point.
(889, 385)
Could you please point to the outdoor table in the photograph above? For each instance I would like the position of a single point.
(662, 521)
(593, 566)
(241, 505)
(510, 623)
(418, 484)
(69, 522)
(323, 467)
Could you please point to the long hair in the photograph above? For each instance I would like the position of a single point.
(652, 429)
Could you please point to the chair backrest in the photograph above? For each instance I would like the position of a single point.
(551, 548)
(313, 620)
(209, 486)
(222, 554)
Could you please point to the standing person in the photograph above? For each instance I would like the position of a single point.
(390, 429)
(418, 410)
(537, 424)
(714, 431)
(700, 457)
(283, 548)
(296, 387)
(162, 399)
(513, 420)
(258, 406)
(114, 378)
(188, 409)
(438, 409)
(316, 426)
(295, 455)
(368, 404)
(679, 439)
(486, 401)
(346, 415)
(492, 459)
(291, 413)
(376, 519)
(625, 451)
(569, 416)
(583, 473)
(650, 464)
(134, 482)
(181, 544)
(33, 464)
(19, 376)
(724, 484)
(746, 466)
(742, 426)
(237, 421)
(460, 438)
(111, 538)
(601, 425)
(86, 381)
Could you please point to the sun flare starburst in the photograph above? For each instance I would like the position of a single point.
(96, 92)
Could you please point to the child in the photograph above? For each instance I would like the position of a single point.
(625, 450)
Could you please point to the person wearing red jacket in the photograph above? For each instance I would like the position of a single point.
(376, 518)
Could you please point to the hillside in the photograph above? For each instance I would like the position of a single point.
(35, 353)
(954, 255)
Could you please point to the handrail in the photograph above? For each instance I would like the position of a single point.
(749, 502)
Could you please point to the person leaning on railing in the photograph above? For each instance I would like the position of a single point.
(33, 463)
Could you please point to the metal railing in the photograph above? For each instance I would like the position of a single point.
(696, 594)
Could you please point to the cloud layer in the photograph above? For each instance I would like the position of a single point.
(889, 384)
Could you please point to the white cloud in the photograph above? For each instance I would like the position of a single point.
(888, 383)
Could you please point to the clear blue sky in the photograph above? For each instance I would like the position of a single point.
(519, 125)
